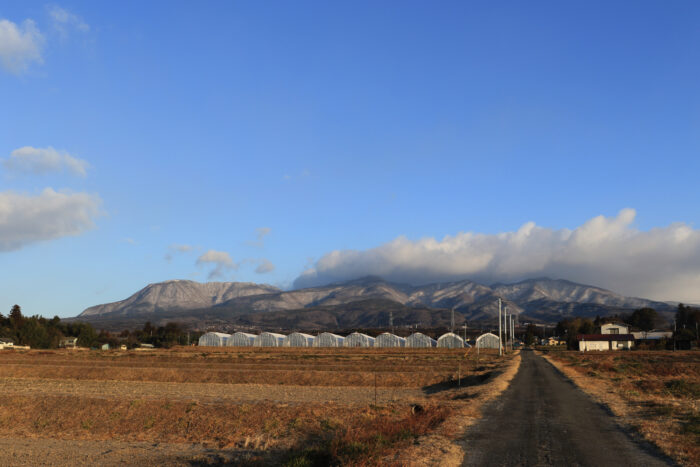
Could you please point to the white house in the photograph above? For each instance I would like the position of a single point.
(614, 328)
(588, 342)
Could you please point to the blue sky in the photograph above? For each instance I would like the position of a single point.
(317, 141)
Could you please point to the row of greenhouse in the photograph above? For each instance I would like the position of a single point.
(356, 339)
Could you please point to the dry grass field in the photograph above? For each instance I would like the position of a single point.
(655, 392)
(252, 406)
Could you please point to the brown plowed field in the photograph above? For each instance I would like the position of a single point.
(240, 405)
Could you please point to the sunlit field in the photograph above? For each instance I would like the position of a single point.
(346, 406)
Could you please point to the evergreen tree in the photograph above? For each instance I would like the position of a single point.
(16, 318)
(644, 318)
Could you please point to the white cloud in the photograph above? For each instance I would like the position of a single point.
(177, 248)
(221, 261)
(260, 234)
(64, 21)
(20, 45)
(662, 263)
(264, 266)
(28, 159)
(28, 219)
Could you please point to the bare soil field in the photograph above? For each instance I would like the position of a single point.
(654, 392)
(241, 406)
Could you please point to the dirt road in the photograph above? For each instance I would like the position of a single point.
(543, 419)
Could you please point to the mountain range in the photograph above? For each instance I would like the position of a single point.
(361, 303)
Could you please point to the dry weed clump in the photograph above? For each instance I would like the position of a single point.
(655, 392)
(379, 433)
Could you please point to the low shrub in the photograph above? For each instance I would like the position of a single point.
(683, 388)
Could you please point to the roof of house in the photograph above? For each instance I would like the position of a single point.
(605, 337)
(6, 340)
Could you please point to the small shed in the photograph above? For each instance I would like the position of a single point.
(68, 342)
(268, 339)
(357, 339)
(104, 346)
(420, 340)
(214, 339)
(6, 343)
(298, 339)
(487, 341)
(240, 339)
(450, 340)
(387, 339)
(328, 339)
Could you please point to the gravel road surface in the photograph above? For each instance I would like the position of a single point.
(544, 419)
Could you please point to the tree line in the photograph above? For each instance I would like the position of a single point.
(42, 333)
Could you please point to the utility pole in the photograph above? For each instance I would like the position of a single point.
(391, 322)
(452, 322)
(505, 330)
(674, 334)
(500, 346)
(465, 332)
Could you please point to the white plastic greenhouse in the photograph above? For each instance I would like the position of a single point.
(214, 339)
(450, 341)
(357, 339)
(268, 339)
(388, 339)
(328, 339)
(241, 339)
(487, 341)
(298, 339)
(418, 339)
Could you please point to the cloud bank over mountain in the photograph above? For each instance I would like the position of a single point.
(662, 263)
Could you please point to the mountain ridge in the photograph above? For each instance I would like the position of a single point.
(541, 299)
